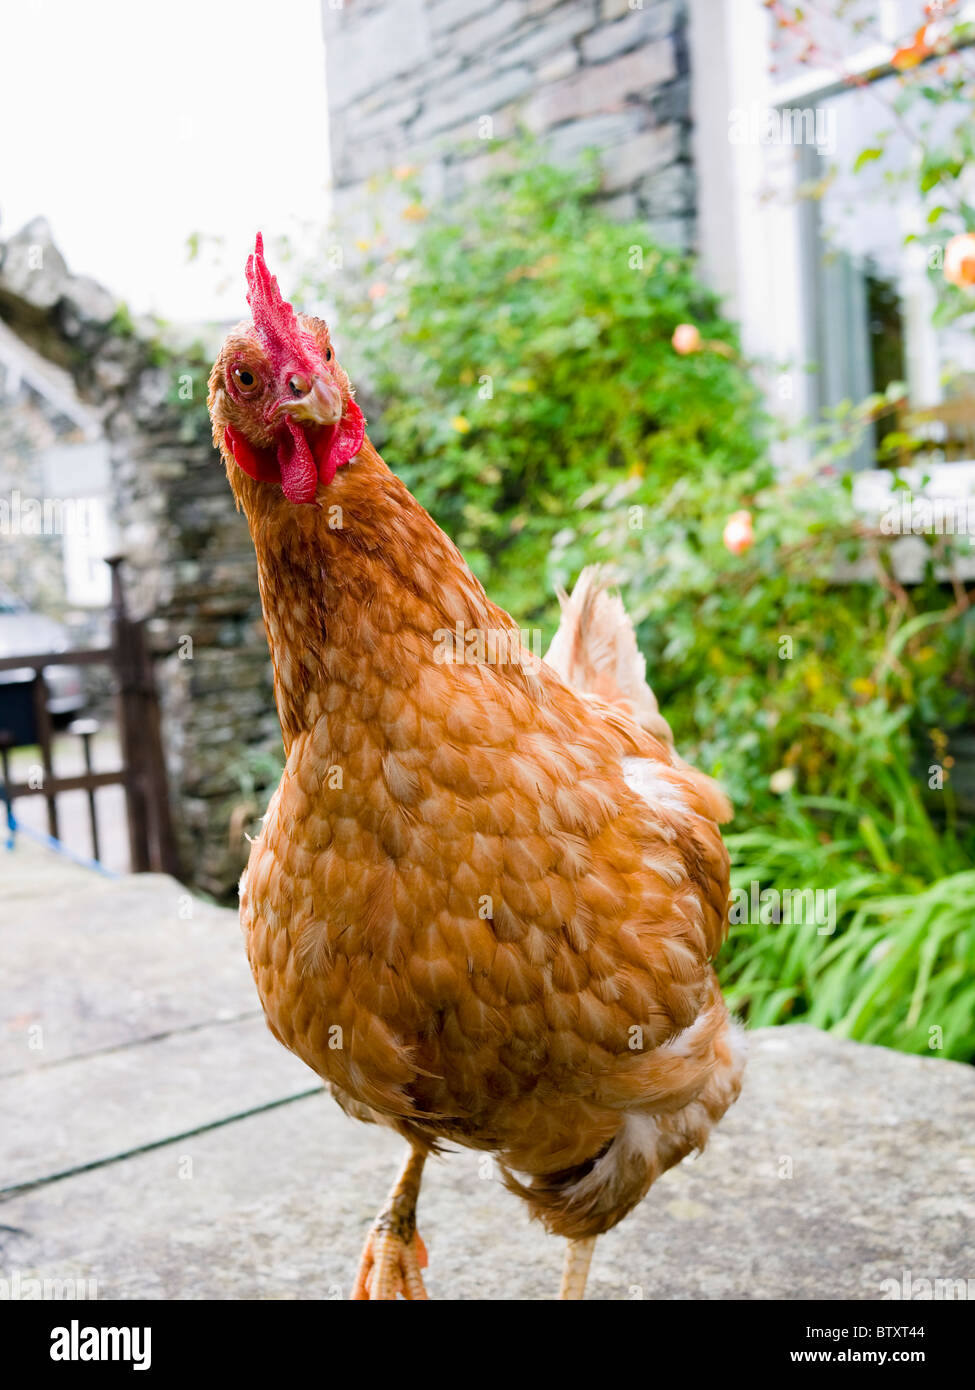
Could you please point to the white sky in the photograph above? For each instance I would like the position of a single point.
(132, 125)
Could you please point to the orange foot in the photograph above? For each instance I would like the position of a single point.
(391, 1263)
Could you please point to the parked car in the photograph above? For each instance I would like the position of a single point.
(26, 633)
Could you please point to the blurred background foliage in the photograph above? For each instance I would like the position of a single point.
(521, 355)
(520, 352)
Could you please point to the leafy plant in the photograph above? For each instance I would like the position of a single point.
(792, 654)
(521, 351)
(895, 965)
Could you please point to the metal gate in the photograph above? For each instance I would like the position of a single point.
(25, 720)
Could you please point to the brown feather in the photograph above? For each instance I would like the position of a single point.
(479, 932)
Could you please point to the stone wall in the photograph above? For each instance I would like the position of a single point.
(438, 82)
(190, 563)
(30, 562)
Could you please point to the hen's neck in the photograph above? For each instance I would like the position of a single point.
(364, 579)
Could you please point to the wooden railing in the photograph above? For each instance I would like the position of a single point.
(142, 773)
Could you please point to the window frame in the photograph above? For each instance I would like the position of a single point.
(755, 250)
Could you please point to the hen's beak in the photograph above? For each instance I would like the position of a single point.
(313, 401)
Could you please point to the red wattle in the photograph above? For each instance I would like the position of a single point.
(256, 463)
(295, 464)
(299, 475)
(344, 443)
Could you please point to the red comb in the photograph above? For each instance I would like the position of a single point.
(273, 316)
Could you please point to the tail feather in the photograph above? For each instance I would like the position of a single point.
(593, 1196)
(595, 651)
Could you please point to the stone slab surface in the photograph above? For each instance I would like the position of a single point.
(89, 963)
(199, 1166)
(841, 1167)
(91, 1108)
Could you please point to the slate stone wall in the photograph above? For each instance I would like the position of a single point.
(412, 81)
(190, 562)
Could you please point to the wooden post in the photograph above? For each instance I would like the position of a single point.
(151, 838)
(86, 729)
(162, 844)
(127, 674)
(42, 716)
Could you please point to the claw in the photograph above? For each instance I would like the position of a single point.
(390, 1267)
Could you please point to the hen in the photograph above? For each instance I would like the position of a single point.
(483, 905)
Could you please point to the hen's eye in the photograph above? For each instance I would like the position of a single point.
(246, 381)
(328, 354)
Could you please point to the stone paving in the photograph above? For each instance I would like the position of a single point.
(157, 1141)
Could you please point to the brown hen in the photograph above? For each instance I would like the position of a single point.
(483, 905)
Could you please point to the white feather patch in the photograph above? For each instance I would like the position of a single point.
(642, 777)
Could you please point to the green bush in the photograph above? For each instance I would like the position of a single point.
(774, 659)
(895, 965)
(521, 352)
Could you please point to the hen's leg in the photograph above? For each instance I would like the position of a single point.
(394, 1253)
(575, 1271)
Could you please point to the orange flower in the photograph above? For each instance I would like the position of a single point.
(686, 339)
(959, 264)
(738, 535)
(378, 291)
(913, 53)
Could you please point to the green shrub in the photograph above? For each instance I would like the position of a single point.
(894, 966)
(766, 660)
(521, 352)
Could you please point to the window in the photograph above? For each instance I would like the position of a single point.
(819, 271)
